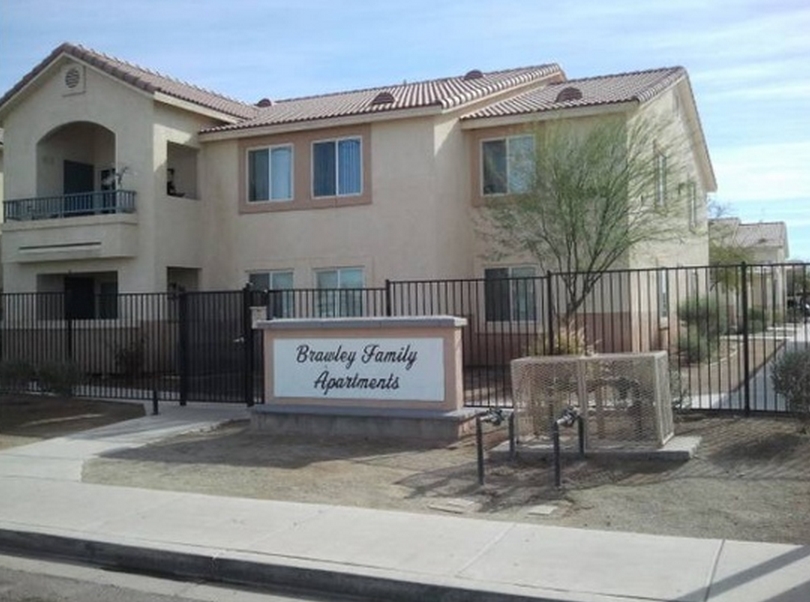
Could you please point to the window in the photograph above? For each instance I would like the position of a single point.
(662, 279)
(337, 167)
(281, 299)
(339, 292)
(660, 179)
(507, 165)
(509, 294)
(270, 174)
(691, 192)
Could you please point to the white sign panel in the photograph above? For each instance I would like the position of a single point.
(401, 369)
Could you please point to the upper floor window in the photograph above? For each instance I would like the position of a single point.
(270, 174)
(692, 200)
(509, 294)
(507, 165)
(660, 178)
(337, 167)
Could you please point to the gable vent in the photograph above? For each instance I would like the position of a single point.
(73, 79)
(473, 74)
(383, 98)
(264, 103)
(569, 93)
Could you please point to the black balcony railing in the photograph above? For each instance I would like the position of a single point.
(70, 205)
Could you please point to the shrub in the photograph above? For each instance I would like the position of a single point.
(756, 325)
(706, 313)
(696, 347)
(757, 319)
(59, 377)
(16, 374)
(791, 377)
(567, 341)
(678, 389)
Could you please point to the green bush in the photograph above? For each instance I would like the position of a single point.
(15, 375)
(705, 313)
(791, 377)
(59, 377)
(756, 325)
(695, 346)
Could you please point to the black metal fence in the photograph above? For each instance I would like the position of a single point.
(721, 326)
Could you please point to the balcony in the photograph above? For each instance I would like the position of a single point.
(88, 225)
(70, 205)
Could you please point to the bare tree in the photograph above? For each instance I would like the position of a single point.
(592, 195)
(726, 254)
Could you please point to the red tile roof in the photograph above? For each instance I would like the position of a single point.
(146, 80)
(758, 234)
(608, 89)
(447, 93)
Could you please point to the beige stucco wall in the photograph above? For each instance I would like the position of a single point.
(408, 223)
(163, 231)
(692, 246)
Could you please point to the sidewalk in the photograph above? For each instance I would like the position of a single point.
(45, 509)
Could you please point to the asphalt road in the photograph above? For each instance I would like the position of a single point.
(27, 580)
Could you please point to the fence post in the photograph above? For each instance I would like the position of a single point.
(550, 312)
(746, 360)
(247, 342)
(388, 309)
(68, 305)
(183, 325)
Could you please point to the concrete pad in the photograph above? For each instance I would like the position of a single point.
(542, 510)
(454, 505)
(411, 543)
(589, 562)
(753, 571)
(678, 449)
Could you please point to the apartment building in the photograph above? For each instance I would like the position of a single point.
(120, 179)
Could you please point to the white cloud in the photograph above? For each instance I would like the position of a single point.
(756, 173)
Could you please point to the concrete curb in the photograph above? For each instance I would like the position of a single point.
(214, 567)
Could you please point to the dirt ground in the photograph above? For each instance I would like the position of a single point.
(30, 418)
(749, 481)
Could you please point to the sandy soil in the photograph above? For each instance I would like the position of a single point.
(750, 479)
(30, 418)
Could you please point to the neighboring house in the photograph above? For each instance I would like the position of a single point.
(762, 245)
(122, 179)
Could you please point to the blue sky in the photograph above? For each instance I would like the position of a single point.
(749, 61)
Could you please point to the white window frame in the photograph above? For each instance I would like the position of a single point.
(691, 192)
(660, 195)
(334, 141)
(662, 288)
(287, 299)
(269, 150)
(506, 140)
(335, 306)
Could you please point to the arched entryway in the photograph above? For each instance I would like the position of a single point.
(76, 169)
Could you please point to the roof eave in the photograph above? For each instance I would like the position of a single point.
(193, 107)
(697, 132)
(474, 123)
(317, 124)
